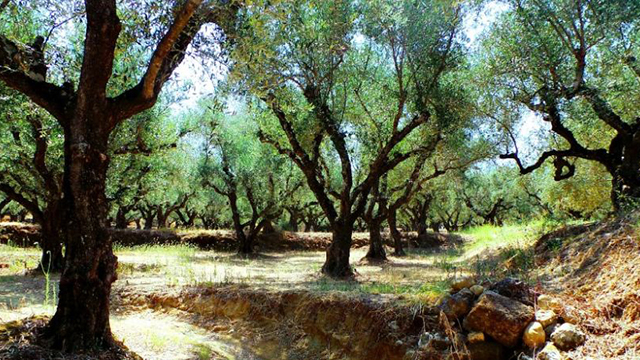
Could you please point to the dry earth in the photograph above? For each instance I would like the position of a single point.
(180, 302)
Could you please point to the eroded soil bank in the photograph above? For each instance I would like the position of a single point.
(301, 324)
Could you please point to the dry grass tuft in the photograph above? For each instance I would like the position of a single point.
(597, 273)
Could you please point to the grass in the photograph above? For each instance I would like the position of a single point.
(418, 279)
(18, 259)
(496, 252)
(421, 272)
(489, 237)
(183, 251)
(167, 336)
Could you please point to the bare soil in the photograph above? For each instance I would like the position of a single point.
(163, 303)
(594, 268)
(182, 302)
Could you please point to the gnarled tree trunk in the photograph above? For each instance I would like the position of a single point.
(121, 219)
(337, 262)
(398, 250)
(376, 250)
(51, 239)
(294, 219)
(81, 320)
(149, 216)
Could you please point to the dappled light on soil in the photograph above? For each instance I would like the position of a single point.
(160, 336)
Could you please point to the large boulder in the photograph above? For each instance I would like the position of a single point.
(456, 306)
(516, 290)
(501, 318)
(567, 337)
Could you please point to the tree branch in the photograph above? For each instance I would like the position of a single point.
(40, 155)
(103, 28)
(31, 206)
(169, 53)
(20, 72)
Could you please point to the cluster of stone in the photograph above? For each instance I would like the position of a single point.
(497, 321)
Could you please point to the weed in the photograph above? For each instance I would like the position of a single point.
(203, 351)
(49, 291)
(554, 245)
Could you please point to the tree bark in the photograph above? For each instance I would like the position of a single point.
(376, 251)
(148, 220)
(398, 250)
(81, 320)
(337, 261)
(162, 217)
(51, 240)
(307, 226)
(268, 227)
(121, 219)
(422, 228)
(294, 219)
(88, 116)
(245, 243)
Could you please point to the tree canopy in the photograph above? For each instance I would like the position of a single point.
(335, 116)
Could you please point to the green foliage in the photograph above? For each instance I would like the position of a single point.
(376, 65)
(233, 163)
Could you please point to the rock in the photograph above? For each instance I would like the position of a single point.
(440, 341)
(534, 336)
(550, 329)
(501, 318)
(516, 290)
(550, 352)
(460, 340)
(425, 339)
(456, 306)
(571, 315)
(410, 355)
(487, 350)
(546, 302)
(462, 283)
(477, 289)
(437, 341)
(475, 337)
(220, 328)
(546, 317)
(567, 337)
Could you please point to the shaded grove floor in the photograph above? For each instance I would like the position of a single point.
(148, 270)
(170, 331)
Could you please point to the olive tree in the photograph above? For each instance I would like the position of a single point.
(89, 109)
